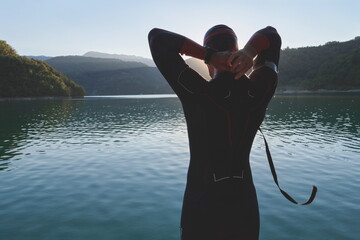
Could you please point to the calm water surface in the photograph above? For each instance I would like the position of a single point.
(115, 168)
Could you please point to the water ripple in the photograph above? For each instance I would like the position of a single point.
(116, 168)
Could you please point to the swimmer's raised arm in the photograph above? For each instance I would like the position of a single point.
(265, 44)
(166, 48)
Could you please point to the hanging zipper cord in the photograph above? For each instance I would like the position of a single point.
(272, 167)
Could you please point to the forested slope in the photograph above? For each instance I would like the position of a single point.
(333, 66)
(25, 77)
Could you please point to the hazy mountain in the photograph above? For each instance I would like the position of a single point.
(78, 64)
(199, 66)
(129, 58)
(26, 77)
(41, 57)
(143, 80)
(102, 76)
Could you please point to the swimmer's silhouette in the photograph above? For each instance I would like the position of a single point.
(222, 116)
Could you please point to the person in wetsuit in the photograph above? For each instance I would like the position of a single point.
(222, 117)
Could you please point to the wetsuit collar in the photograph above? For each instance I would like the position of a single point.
(221, 84)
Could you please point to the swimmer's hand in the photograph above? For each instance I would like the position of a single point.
(241, 61)
(219, 60)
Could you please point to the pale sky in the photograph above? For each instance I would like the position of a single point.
(73, 27)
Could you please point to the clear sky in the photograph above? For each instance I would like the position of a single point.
(73, 27)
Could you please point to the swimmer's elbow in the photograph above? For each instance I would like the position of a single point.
(153, 34)
(273, 36)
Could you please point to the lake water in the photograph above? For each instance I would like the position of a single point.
(115, 168)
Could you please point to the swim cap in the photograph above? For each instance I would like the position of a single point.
(220, 37)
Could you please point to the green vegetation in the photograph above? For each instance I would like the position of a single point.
(25, 77)
(333, 66)
(7, 50)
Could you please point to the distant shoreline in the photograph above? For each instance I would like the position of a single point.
(36, 98)
(137, 96)
(169, 95)
(316, 91)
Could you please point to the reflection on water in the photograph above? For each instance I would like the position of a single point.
(115, 168)
(33, 123)
(315, 140)
(21, 120)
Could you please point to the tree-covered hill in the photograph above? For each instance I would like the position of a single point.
(333, 66)
(25, 77)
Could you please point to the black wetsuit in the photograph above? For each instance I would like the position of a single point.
(222, 118)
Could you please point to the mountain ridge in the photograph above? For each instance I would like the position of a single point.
(332, 66)
(124, 57)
